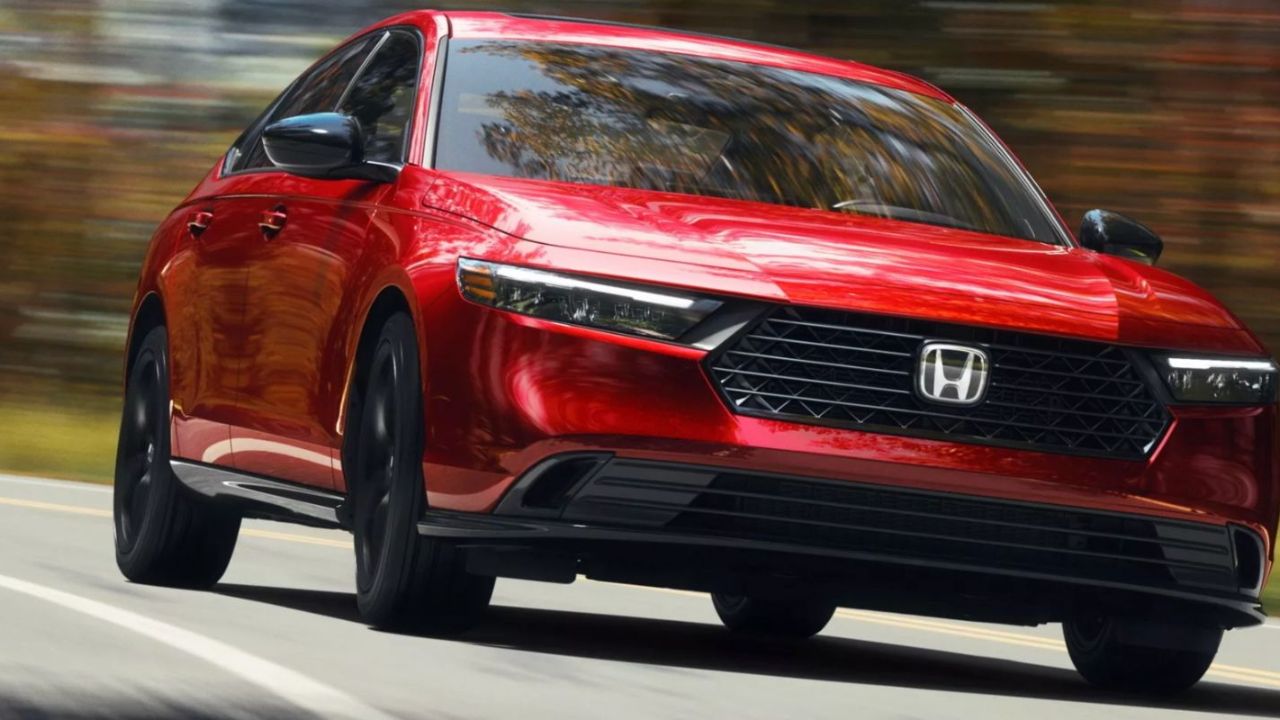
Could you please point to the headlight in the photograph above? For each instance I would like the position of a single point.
(1219, 380)
(621, 307)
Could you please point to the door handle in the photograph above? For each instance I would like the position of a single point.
(273, 221)
(198, 222)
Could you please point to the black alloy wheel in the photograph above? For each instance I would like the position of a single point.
(403, 580)
(163, 535)
(380, 443)
(1144, 655)
(781, 614)
(140, 439)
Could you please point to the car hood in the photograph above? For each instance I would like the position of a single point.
(852, 262)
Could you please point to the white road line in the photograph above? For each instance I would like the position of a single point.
(60, 484)
(287, 684)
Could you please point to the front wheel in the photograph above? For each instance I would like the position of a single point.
(789, 615)
(163, 536)
(1138, 655)
(403, 580)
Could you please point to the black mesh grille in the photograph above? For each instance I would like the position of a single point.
(1046, 393)
(970, 530)
(893, 523)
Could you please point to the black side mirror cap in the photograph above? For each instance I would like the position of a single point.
(325, 146)
(1114, 234)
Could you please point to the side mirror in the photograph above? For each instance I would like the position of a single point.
(1115, 234)
(326, 146)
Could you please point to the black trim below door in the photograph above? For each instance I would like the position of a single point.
(262, 497)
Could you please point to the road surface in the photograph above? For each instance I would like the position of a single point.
(280, 637)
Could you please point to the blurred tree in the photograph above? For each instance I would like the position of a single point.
(110, 110)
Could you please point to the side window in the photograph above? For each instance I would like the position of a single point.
(382, 97)
(317, 91)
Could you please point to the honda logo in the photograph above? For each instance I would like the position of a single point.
(952, 374)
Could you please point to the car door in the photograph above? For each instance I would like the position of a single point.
(313, 234)
(221, 237)
(207, 339)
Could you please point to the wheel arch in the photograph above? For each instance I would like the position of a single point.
(390, 299)
(149, 316)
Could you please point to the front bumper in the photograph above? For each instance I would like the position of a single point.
(506, 393)
(597, 510)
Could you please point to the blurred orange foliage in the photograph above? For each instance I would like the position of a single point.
(110, 111)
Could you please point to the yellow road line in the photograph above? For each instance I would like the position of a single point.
(1036, 642)
(99, 512)
(290, 537)
(1217, 671)
(1020, 638)
(933, 623)
(976, 633)
(1233, 672)
(39, 505)
(1265, 674)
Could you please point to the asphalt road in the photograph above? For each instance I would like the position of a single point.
(280, 637)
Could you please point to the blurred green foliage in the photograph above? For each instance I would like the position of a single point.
(110, 110)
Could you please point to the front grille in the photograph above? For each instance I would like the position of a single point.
(890, 522)
(852, 370)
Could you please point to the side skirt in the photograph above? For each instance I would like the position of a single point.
(261, 497)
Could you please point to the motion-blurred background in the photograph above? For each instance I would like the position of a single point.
(110, 111)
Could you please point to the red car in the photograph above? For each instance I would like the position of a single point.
(527, 297)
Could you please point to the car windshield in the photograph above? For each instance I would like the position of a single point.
(683, 124)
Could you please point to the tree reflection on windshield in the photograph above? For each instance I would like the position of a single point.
(676, 123)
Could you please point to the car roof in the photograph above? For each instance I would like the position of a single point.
(497, 25)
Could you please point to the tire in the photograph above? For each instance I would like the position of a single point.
(163, 535)
(785, 615)
(1139, 656)
(403, 580)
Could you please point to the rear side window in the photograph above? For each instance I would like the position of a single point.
(382, 97)
(319, 90)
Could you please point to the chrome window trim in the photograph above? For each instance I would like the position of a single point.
(435, 103)
(364, 65)
(1065, 238)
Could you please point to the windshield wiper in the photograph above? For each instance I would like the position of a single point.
(898, 212)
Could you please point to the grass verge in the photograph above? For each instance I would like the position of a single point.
(59, 442)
